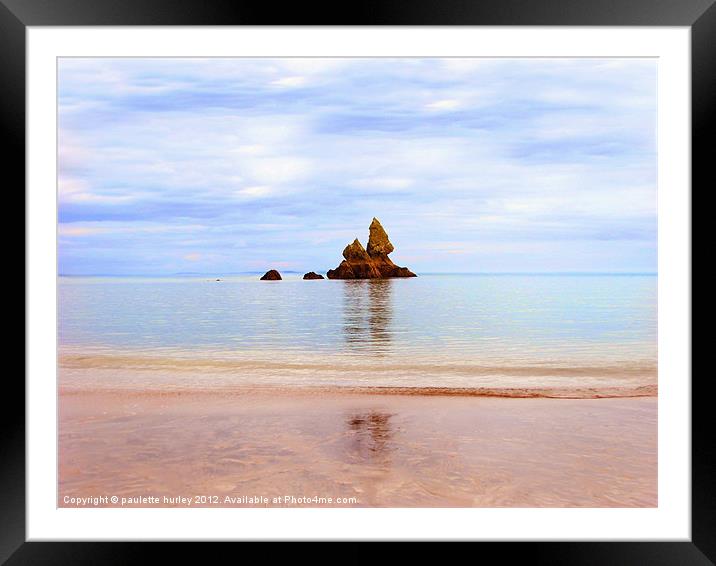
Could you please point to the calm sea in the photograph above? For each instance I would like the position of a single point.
(434, 329)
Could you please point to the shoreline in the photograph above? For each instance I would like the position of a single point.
(492, 393)
(248, 429)
(235, 373)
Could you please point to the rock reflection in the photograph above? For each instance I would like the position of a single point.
(371, 435)
(368, 315)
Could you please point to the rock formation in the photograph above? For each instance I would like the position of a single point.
(313, 275)
(378, 242)
(271, 275)
(372, 263)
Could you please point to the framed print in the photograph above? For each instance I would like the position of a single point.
(421, 275)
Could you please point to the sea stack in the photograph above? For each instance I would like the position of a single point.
(370, 263)
(313, 275)
(271, 275)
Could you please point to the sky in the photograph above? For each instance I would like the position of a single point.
(220, 166)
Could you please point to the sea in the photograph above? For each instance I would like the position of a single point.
(594, 334)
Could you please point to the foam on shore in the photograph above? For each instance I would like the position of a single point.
(242, 372)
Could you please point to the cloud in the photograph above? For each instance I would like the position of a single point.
(254, 192)
(445, 104)
(384, 183)
(76, 231)
(289, 81)
(522, 162)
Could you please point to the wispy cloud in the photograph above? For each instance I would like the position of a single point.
(289, 81)
(445, 104)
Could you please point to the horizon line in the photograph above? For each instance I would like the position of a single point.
(293, 272)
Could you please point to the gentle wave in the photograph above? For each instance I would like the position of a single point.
(189, 364)
(408, 376)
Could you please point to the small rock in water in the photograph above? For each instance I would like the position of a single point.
(271, 275)
(312, 275)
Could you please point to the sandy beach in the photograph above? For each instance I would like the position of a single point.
(288, 447)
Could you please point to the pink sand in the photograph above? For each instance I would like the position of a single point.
(386, 450)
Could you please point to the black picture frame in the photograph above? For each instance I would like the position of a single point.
(17, 15)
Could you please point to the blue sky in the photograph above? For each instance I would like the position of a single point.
(472, 165)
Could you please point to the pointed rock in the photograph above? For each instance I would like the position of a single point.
(355, 251)
(378, 242)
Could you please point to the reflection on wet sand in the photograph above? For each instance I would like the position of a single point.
(380, 451)
(368, 314)
(371, 435)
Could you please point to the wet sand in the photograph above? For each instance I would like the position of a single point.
(375, 448)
